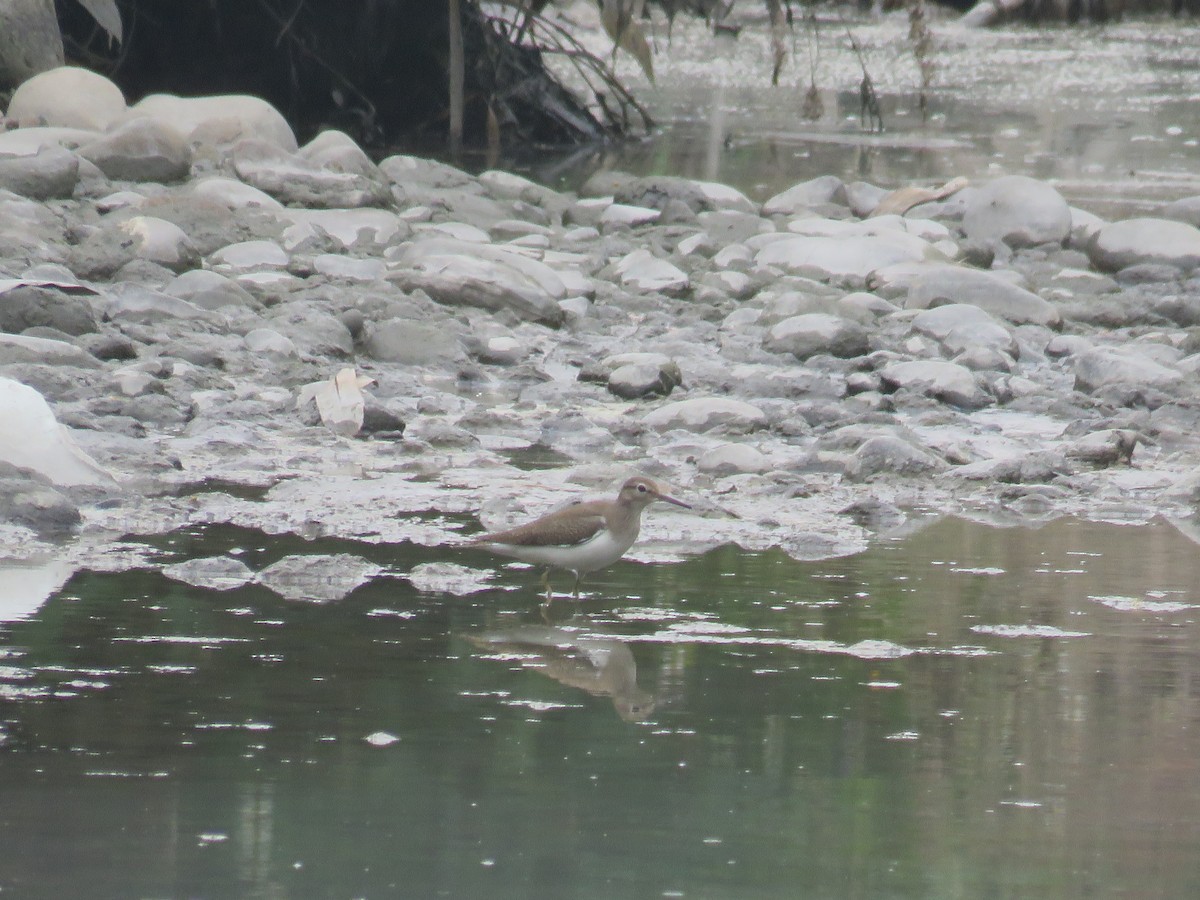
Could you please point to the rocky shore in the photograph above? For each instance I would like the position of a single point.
(233, 328)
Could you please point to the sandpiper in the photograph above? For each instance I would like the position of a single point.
(583, 537)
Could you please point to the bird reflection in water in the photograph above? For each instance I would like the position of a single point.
(602, 666)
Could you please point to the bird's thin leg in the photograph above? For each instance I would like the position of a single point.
(578, 578)
(546, 585)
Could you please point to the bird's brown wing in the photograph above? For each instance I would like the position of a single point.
(573, 525)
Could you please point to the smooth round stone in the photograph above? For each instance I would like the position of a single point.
(366, 228)
(1145, 240)
(706, 413)
(851, 256)
(501, 350)
(51, 173)
(20, 348)
(864, 307)
(31, 305)
(134, 303)
(892, 455)
(337, 151)
(944, 381)
(209, 290)
(140, 150)
(265, 340)
(68, 96)
(248, 256)
(646, 379)
(813, 333)
(806, 195)
(458, 273)
(1018, 210)
(162, 242)
(622, 215)
(349, 268)
(33, 439)
(733, 459)
(1102, 366)
(642, 271)
(988, 291)
(412, 343)
(233, 194)
(219, 119)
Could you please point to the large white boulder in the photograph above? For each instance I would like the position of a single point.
(32, 439)
(219, 120)
(68, 96)
(1018, 210)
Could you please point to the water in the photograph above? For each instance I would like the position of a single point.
(1107, 114)
(969, 711)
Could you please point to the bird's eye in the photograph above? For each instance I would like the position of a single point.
(642, 488)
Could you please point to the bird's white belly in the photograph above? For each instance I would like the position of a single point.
(600, 551)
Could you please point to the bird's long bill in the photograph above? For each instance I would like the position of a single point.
(659, 495)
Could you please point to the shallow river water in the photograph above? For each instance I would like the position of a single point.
(968, 711)
(1106, 114)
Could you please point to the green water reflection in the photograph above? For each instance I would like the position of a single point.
(970, 712)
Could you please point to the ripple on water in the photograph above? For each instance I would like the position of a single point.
(1141, 604)
(1016, 631)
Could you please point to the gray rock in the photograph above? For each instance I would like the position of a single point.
(944, 381)
(1102, 367)
(134, 303)
(804, 196)
(725, 227)
(813, 333)
(1017, 210)
(733, 459)
(413, 171)
(1131, 241)
(1185, 209)
(863, 198)
(412, 343)
(336, 151)
(19, 348)
(210, 290)
(290, 179)
(313, 329)
(456, 273)
(1001, 298)
(140, 150)
(269, 341)
(159, 241)
(706, 413)
(658, 191)
(51, 173)
(636, 380)
(961, 326)
(381, 421)
(640, 270)
(1108, 447)
(29, 500)
(889, 454)
(850, 256)
(30, 41)
(29, 306)
(214, 573)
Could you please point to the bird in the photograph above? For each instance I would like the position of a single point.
(583, 537)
